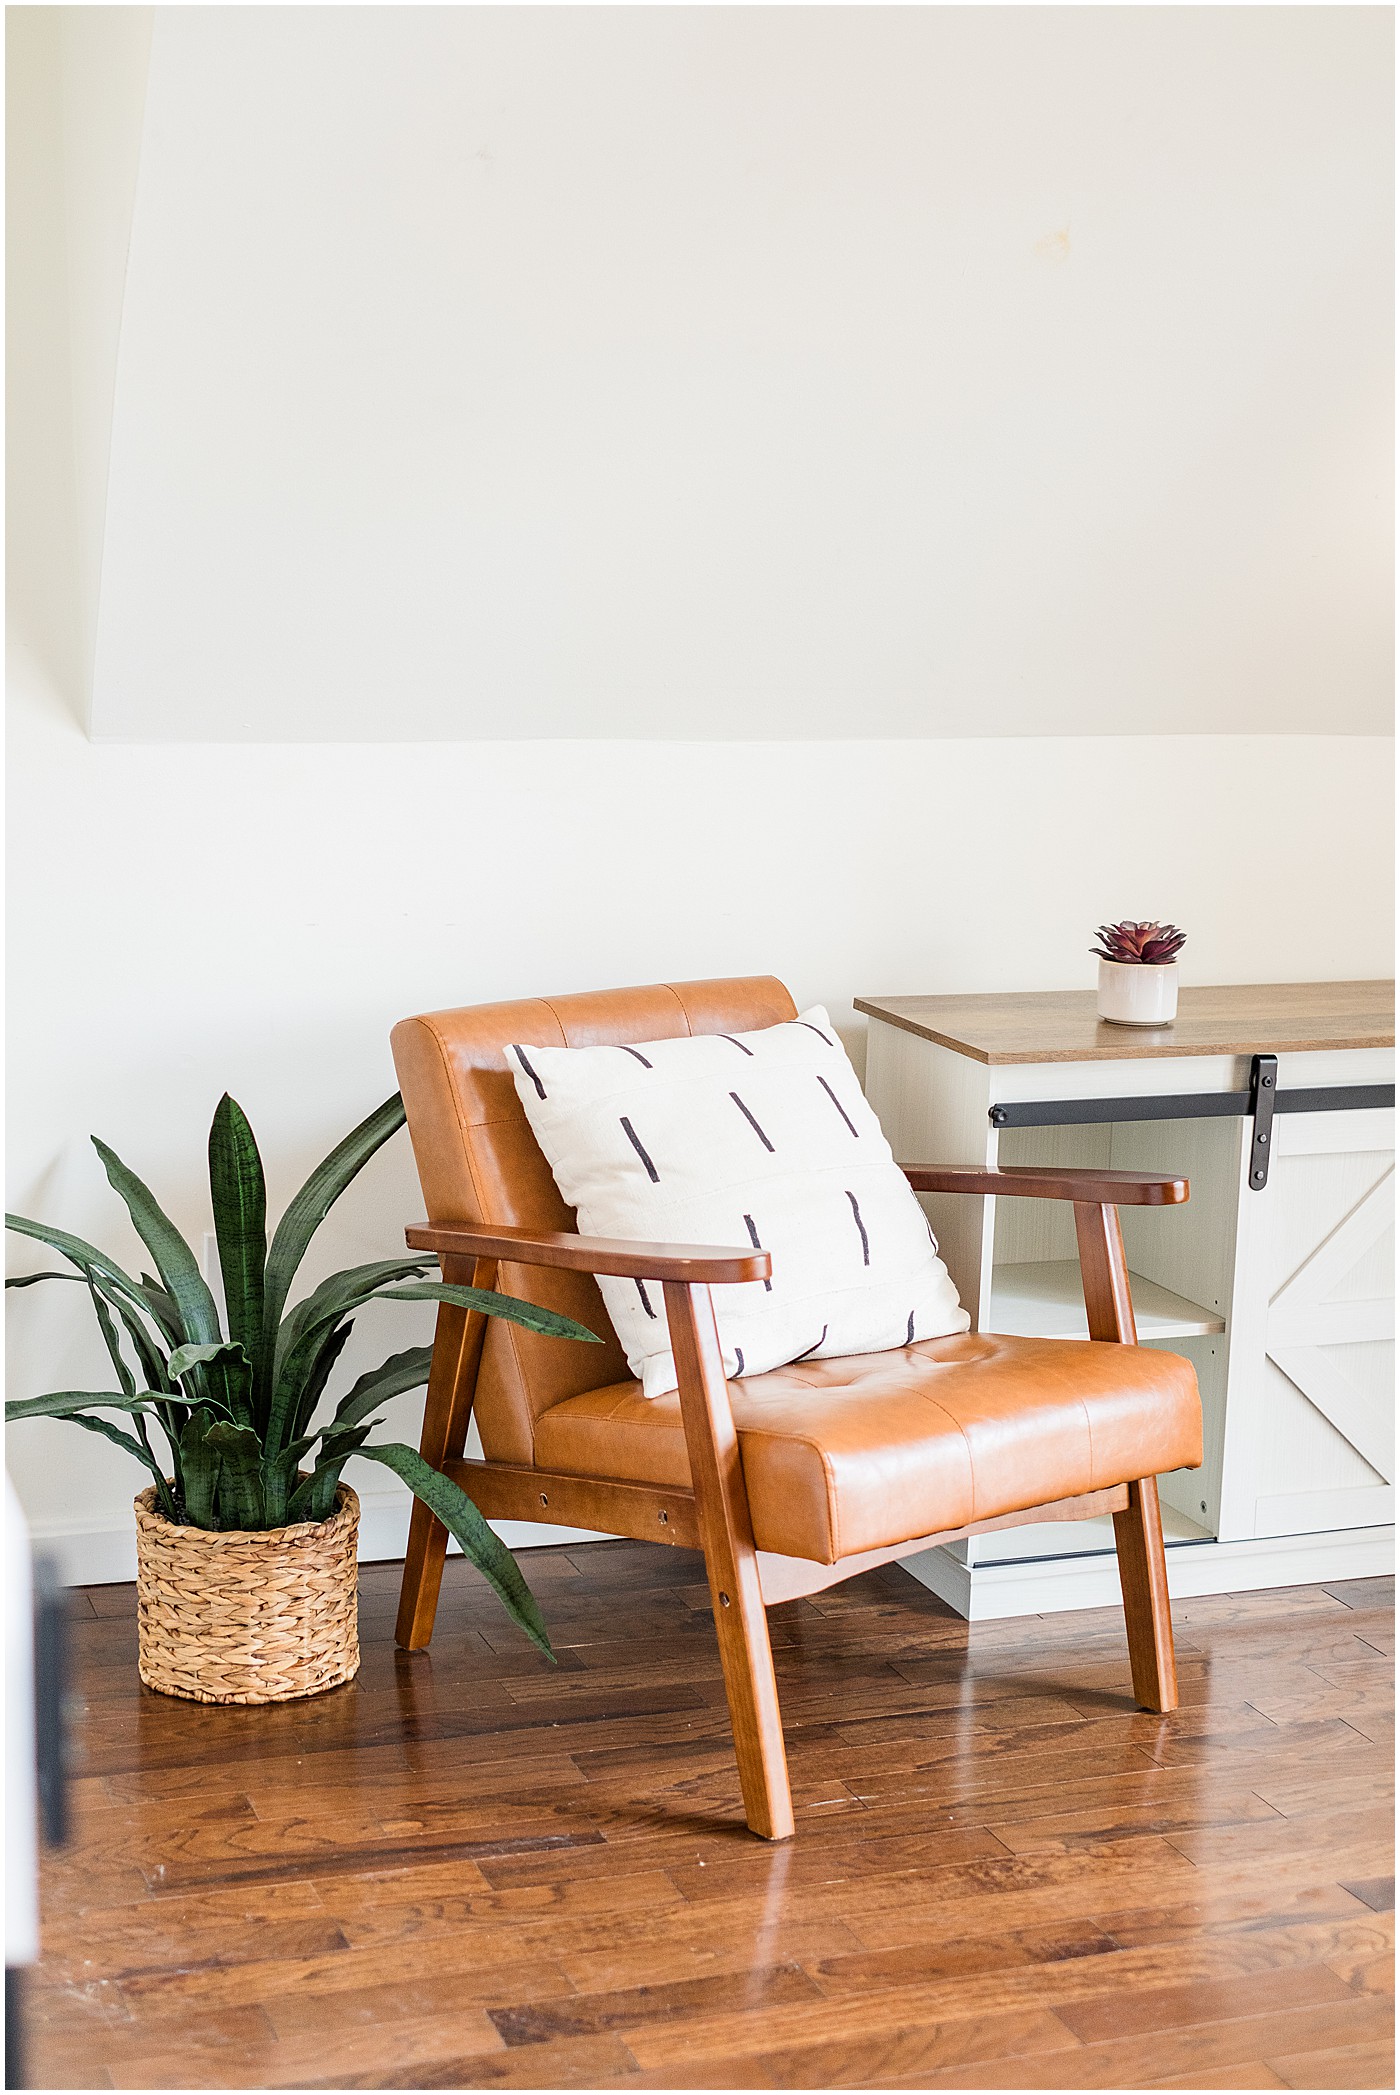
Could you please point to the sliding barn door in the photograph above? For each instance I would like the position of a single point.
(1316, 1432)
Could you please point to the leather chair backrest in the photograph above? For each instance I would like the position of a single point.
(479, 1162)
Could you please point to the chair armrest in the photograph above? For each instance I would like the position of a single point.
(1134, 1189)
(697, 1265)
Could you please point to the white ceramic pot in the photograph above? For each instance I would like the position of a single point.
(1133, 994)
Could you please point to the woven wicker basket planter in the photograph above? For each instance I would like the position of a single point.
(244, 1617)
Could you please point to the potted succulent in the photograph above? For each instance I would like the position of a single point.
(1138, 973)
(246, 1581)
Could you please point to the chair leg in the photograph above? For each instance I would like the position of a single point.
(422, 1579)
(1142, 1563)
(751, 1689)
(1142, 1568)
(446, 1416)
(731, 1563)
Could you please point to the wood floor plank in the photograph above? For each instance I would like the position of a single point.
(758, 1992)
(71, 2065)
(1328, 1789)
(576, 2062)
(1353, 2066)
(328, 1991)
(1334, 1832)
(1376, 1892)
(876, 2055)
(1253, 1900)
(1130, 2012)
(1130, 2062)
(624, 1967)
(290, 2061)
(1149, 1783)
(1211, 1812)
(420, 1996)
(933, 1961)
(1368, 1975)
(1318, 1738)
(1127, 1993)
(1363, 1593)
(1253, 2073)
(420, 1904)
(220, 2042)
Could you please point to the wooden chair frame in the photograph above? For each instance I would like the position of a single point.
(713, 1516)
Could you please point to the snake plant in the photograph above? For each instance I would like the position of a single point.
(237, 1409)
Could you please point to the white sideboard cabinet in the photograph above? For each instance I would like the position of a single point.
(1275, 1279)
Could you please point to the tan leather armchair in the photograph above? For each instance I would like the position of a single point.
(790, 1481)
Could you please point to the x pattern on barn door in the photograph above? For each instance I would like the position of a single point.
(1326, 1327)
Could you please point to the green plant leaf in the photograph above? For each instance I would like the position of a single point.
(240, 1492)
(402, 1371)
(337, 1296)
(73, 1405)
(161, 1308)
(116, 1284)
(239, 1194)
(181, 1288)
(463, 1521)
(345, 1292)
(185, 1358)
(165, 1498)
(314, 1498)
(239, 1441)
(110, 1339)
(148, 1353)
(279, 1481)
(124, 1295)
(319, 1374)
(547, 1322)
(175, 1262)
(342, 1441)
(320, 1502)
(299, 1504)
(199, 1471)
(331, 1438)
(309, 1208)
(82, 1255)
(96, 1270)
(65, 1403)
(171, 1408)
(325, 1481)
(302, 1337)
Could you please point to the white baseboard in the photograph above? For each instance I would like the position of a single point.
(103, 1553)
(1053, 1585)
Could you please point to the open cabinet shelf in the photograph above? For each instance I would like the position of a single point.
(1044, 1298)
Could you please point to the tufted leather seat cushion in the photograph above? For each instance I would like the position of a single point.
(861, 1453)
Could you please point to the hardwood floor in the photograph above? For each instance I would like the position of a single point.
(468, 1869)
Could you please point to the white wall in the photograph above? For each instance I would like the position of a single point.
(754, 372)
(194, 913)
(185, 919)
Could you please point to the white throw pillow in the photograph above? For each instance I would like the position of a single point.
(742, 1138)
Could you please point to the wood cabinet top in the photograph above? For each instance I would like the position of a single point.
(1063, 1025)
